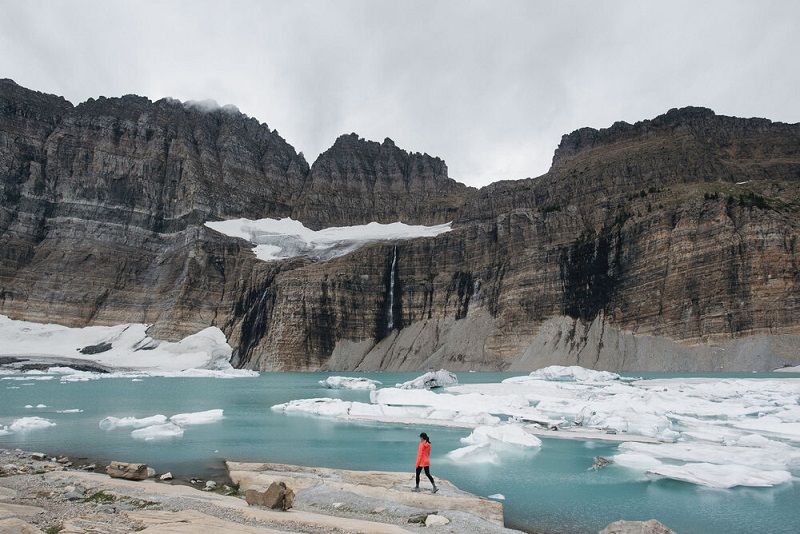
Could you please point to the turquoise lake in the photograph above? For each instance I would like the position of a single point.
(549, 489)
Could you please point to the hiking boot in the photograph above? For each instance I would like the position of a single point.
(435, 489)
(415, 489)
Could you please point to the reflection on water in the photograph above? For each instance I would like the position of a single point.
(550, 489)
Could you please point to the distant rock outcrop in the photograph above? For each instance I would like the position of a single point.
(665, 245)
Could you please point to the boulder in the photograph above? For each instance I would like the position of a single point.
(434, 520)
(151, 472)
(600, 462)
(277, 496)
(127, 471)
(636, 527)
(421, 518)
(38, 456)
(166, 476)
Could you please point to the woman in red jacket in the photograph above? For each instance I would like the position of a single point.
(424, 460)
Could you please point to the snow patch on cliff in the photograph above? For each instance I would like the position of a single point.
(280, 239)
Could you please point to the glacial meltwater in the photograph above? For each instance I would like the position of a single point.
(549, 488)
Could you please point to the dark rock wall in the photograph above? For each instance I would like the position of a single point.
(683, 228)
(358, 181)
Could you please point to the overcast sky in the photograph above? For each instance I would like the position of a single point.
(488, 86)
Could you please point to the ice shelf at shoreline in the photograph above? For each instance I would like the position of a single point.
(714, 432)
(124, 349)
(277, 239)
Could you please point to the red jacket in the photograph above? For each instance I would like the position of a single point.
(424, 454)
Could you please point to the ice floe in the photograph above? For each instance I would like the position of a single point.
(717, 432)
(432, 379)
(277, 239)
(197, 418)
(165, 431)
(158, 426)
(572, 373)
(474, 454)
(26, 424)
(507, 434)
(110, 423)
(348, 382)
(721, 476)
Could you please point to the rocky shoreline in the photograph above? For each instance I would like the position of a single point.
(44, 493)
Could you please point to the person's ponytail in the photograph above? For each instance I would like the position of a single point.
(425, 437)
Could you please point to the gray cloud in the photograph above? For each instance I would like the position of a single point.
(488, 86)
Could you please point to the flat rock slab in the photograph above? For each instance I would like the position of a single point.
(185, 497)
(16, 510)
(17, 526)
(191, 522)
(384, 486)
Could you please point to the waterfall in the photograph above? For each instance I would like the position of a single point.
(390, 315)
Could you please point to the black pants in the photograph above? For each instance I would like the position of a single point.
(427, 474)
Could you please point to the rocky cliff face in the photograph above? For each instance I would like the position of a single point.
(670, 244)
(358, 181)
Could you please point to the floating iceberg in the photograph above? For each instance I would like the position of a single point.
(165, 431)
(110, 423)
(26, 424)
(346, 382)
(158, 427)
(432, 379)
(572, 373)
(721, 476)
(197, 418)
(474, 454)
(507, 434)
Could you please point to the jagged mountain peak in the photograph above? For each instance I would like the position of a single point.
(354, 142)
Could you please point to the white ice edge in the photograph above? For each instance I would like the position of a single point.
(347, 382)
(125, 350)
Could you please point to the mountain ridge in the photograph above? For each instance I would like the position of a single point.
(646, 246)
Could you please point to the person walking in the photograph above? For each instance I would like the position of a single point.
(424, 460)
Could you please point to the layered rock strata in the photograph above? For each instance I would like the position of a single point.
(669, 244)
